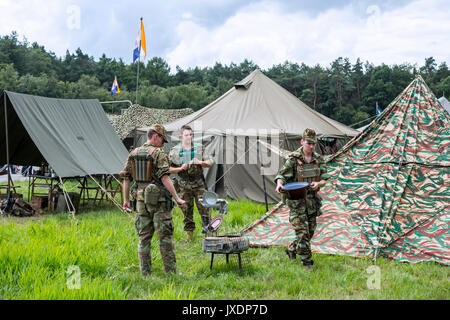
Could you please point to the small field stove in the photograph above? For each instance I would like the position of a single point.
(226, 244)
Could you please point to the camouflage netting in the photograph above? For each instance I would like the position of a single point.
(145, 117)
(389, 194)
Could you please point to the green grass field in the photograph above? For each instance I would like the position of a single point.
(40, 258)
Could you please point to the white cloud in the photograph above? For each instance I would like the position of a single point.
(186, 15)
(266, 34)
(44, 23)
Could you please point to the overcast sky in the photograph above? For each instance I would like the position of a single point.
(193, 33)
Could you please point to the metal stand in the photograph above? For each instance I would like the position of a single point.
(227, 259)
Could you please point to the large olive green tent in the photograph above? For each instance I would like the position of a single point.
(238, 126)
(73, 136)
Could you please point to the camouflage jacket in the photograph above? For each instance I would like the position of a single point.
(288, 173)
(159, 163)
(193, 177)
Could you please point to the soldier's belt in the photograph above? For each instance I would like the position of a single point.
(145, 184)
(190, 179)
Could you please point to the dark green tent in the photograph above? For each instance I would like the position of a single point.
(73, 136)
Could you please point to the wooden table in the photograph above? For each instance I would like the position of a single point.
(48, 183)
(5, 187)
(97, 193)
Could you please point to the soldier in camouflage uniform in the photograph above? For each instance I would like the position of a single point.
(308, 166)
(188, 160)
(154, 204)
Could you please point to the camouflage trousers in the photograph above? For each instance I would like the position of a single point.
(148, 220)
(189, 195)
(304, 224)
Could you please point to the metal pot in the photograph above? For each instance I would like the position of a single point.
(296, 190)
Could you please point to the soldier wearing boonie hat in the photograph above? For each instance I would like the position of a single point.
(303, 165)
(149, 166)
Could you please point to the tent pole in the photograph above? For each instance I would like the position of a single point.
(286, 141)
(263, 178)
(7, 143)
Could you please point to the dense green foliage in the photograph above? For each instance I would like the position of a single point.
(343, 91)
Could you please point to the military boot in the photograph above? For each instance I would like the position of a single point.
(291, 254)
(308, 267)
(145, 264)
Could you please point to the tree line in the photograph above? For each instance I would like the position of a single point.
(345, 91)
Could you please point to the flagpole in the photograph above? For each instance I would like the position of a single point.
(137, 89)
(137, 76)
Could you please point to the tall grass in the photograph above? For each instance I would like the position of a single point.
(37, 253)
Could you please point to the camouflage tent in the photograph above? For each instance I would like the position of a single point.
(140, 116)
(389, 193)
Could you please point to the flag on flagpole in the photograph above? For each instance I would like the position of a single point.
(115, 87)
(378, 109)
(139, 43)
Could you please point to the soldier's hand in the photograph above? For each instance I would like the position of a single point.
(314, 185)
(279, 188)
(126, 206)
(181, 203)
(185, 166)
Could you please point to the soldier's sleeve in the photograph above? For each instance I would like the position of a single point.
(163, 164)
(173, 158)
(286, 172)
(324, 175)
(206, 156)
(125, 174)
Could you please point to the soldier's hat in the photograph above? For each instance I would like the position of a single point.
(160, 130)
(309, 135)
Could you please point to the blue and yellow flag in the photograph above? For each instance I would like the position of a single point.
(139, 43)
(115, 87)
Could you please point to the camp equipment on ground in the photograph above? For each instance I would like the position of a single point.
(16, 207)
(62, 205)
(227, 244)
(213, 225)
(211, 201)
